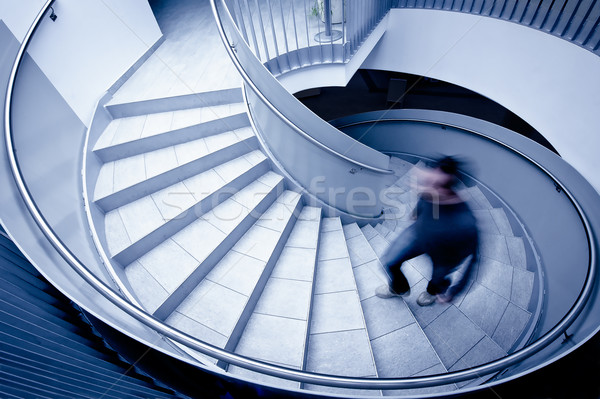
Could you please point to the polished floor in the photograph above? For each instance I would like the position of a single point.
(191, 60)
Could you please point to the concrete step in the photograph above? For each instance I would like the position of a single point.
(219, 307)
(480, 325)
(130, 179)
(368, 271)
(476, 198)
(206, 99)
(278, 329)
(484, 322)
(151, 220)
(400, 347)
(384, 231)
(377, 241)
(338, 342)
(165, 276)
(493, 221)
(136, 135)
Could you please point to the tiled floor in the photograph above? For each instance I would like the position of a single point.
(192, 58)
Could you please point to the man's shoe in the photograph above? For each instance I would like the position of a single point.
(385, 292)
(425, 299)
(444, 298)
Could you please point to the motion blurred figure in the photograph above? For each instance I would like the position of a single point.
(445, 229)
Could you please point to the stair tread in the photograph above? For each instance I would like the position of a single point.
(400, 347)
(476, 198)
(145, 215)
(183, 250)
(236, 277)
(127, 129)
(118, 175)
(493, 307)
(277, 329)
(338, 340)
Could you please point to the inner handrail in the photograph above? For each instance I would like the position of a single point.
(231, 51)
(248, 363)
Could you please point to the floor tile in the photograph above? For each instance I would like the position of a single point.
(129, 171)
(522, 288)
(501, 220)
(276, 217)
(258, 242)
(368, 277)
(330, 224)
(351, 230)
(360, 250)
(285, 298)
(196, 329)
(295, 264)
(150, 293)
(332, 245)
(494, 247)
(384, 316)
(512, 324)
(484, 307)
(310, 213)
(174, 201)
(516, 251)
(169, 264)
(339, 311)
(305, 234)
(452, 335)
(423, 314)
(334, 275)
(190, 151)
(403, 353)
(274, 339)
(419, 392)
(214, 306)
(160, 161)
(204, 184)
(188, 239)
(116, 234)
(141, 217)
(496, 276)
(485, 351)
(157, 123)
(341, 353)
(237, 272)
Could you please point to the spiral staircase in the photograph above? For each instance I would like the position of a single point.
(214, 242)
(204, 229)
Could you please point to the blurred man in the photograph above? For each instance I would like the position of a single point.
(445, 229)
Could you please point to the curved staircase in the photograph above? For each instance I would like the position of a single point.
(212, 240)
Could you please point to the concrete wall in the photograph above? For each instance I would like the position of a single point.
(89, 46)
(550, 83)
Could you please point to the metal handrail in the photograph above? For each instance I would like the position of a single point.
(242, 361)
(230, 49)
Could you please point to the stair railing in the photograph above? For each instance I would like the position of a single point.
(306, 32)
(251, 364)
(294, 135)
(576, 21)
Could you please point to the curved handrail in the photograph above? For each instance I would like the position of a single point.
(245, 362)
(230, 49)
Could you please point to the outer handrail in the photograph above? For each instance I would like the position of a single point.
(230, 50)
(248, 363)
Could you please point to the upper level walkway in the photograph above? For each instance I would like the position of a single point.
(191, 59)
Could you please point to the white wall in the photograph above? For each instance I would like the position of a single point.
(89, 46)
(550, 83)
